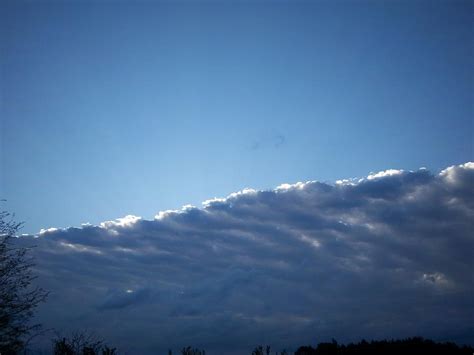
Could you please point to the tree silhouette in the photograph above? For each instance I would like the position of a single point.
(192, 351)
(81, 343)
(416, 345)
(259, 350)
(18, 298)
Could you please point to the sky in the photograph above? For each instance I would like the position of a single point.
(114, 108)
(228, 173)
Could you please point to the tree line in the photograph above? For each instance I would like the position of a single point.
(79, 345)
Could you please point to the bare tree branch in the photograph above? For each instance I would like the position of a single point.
(18, 296)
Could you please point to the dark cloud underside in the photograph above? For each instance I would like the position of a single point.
(385, 256)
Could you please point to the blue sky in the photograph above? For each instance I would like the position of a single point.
(116, 108)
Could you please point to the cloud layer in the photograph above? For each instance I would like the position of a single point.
(389, 255)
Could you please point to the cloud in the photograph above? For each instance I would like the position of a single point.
(384, 256)
(117, 299)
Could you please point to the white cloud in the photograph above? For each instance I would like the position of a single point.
(381, 174)
(298, 185)
(126, 221)
(47, 230)
(453, 173)
(304, 262)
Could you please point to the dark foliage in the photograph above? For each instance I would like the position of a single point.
(81, 344)
(415, 345)
(18, 298)
(191, 351)
(260, 350)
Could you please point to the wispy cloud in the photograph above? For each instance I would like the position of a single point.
(388, 255)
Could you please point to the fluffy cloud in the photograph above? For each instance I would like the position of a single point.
(389, 255)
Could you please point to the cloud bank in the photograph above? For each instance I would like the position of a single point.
(389, 255)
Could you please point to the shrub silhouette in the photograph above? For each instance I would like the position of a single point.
(416, 345)
(81, 344)
(259, 350)
(409, 346)
(192, 351)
